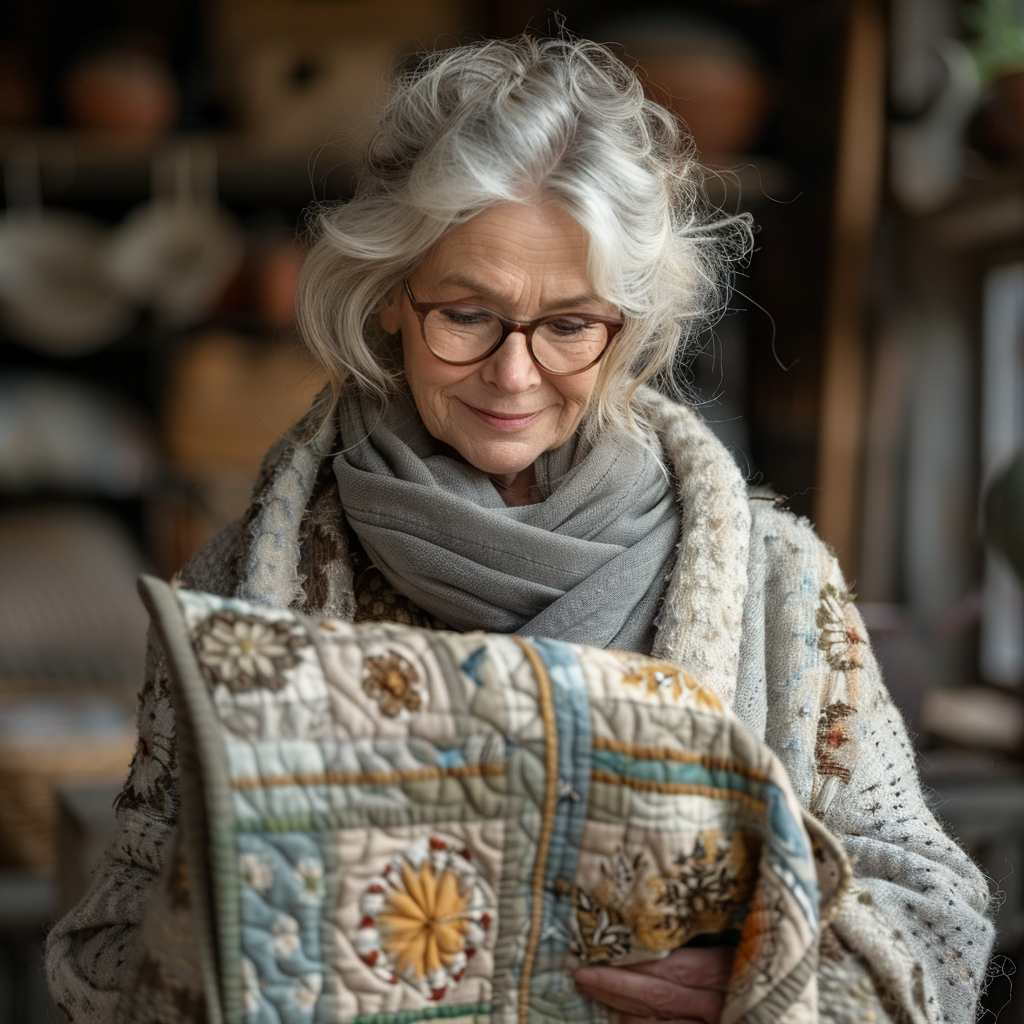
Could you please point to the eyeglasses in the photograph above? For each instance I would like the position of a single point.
(563, 344)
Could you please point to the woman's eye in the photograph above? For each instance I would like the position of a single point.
(463, 316)
(568, 328)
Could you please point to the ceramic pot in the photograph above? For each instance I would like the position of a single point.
(55, 293)
(122, 92)
(177, 257)
(179, 251)
(722, 99)
(277, 271)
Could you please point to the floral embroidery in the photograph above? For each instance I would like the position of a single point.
(424, 918)
(833, 735)
(250, 988)
(307, 990)
(311, 874)
(246, 651)
(661, 677)
(841, 640)
(632, 909)
(709, 886)
(838, 635)
(151, 779)
(257, 872)
(600, 935)
(287, 991)
(391, 682)
(285, 930)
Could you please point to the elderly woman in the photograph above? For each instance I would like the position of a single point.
(526, 253)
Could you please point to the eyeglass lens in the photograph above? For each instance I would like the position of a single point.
(461, 334)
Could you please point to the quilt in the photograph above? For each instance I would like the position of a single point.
(387, 825)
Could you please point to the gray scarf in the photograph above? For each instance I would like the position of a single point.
(585, 565)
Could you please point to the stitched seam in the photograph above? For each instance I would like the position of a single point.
(547, 711)
(426, 1013)
(368, 778)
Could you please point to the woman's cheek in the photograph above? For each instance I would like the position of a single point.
(574, 406)
(436, 416)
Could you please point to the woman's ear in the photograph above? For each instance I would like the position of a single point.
(389, 316)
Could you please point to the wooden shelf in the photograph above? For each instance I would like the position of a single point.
(985, 213)
(83, 168)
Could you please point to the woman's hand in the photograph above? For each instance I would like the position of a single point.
(687, 987)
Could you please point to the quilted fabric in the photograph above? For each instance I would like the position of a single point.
(391, 824)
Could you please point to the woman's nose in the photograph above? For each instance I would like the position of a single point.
(512, 368)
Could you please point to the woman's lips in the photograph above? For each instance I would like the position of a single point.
(504, 421)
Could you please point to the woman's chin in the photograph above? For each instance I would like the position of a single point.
(499, 464)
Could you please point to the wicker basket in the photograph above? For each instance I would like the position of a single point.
(32, 771)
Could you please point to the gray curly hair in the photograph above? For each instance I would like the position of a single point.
(508, 121)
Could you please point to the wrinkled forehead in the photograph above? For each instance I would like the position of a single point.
(513, 253)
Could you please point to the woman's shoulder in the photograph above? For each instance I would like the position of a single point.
(780, 536)
(770, 516)
(712, 489)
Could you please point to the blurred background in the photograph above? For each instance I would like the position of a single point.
(159, 161)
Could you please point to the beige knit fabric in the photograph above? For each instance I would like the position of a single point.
(701, 622)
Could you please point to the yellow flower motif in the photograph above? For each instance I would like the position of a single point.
(425, 917)
(424, 927)
(661, 677)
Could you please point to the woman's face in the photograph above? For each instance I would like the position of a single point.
(523, 262)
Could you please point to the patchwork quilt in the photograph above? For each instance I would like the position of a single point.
(387, 825)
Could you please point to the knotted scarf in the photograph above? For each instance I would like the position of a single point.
(587, 564)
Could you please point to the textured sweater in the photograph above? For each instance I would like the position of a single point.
(755, 608)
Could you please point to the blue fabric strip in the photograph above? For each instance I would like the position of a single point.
(674, 772)
(551, 996)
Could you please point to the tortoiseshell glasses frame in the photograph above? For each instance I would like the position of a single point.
(507, 327)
